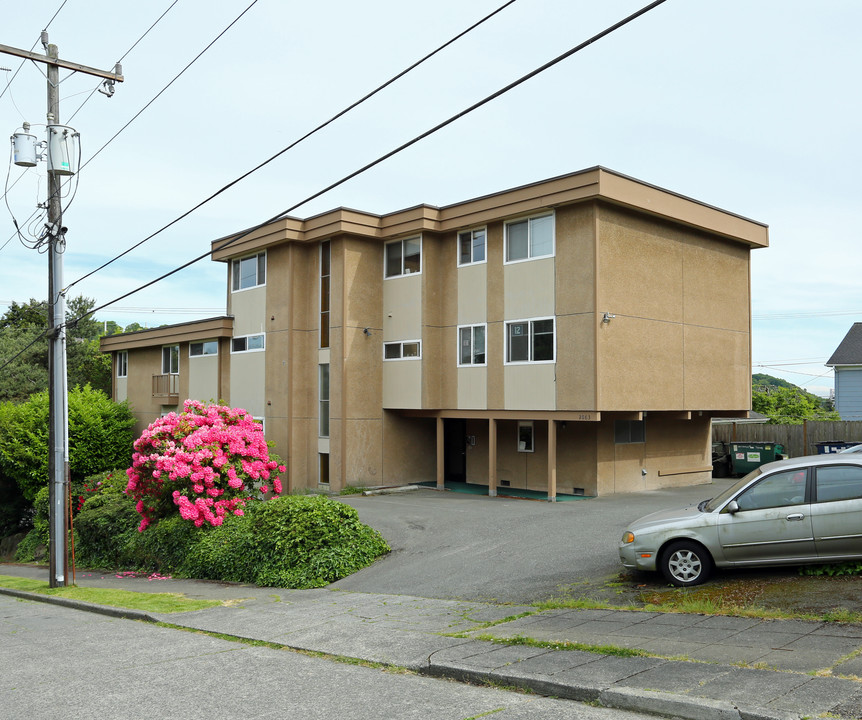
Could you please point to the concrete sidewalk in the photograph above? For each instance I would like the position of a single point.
(698, 667)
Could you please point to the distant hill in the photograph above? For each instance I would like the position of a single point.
(763, 383)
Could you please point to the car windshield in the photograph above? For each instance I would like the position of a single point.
(723, 497)
(852, 449)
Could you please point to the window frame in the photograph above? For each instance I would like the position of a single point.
(325, 287)
(531, 348)
(530, 254)
(629, 425)
(123, 364)
(401, 344)
(472, 232)
(259, 270)
(203, 344)
(170, 363)
(472, 328)
(402, 241)
(234, 351)
(323, 401)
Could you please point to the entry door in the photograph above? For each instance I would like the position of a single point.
(455, 450)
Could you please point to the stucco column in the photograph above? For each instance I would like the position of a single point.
(492, 457)
(440, 456)
(552, 461)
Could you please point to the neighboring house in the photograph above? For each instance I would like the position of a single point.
(847, 363)
(574, 335)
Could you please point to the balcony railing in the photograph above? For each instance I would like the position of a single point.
(166, 386)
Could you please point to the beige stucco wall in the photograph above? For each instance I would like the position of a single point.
(472, 292)
(402, 384)
(472, 388)
(529, 289)
(402, 307)
(530, 386)
(247, 377)
(680, 337)
(409, 449)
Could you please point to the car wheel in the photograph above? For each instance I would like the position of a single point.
(686, 563)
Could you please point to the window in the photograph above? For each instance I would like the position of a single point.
(843, 482)
(776, 490)
(629, 431)
(198, 349)
(530, 341)
(323, 469)
(122, 363)
(407, 350)
(171, 360)
(525, 436)
(260, 421)
(471, 345)
(324, 293)
(249, 272)
(323, 394)
(403, 257)
(471, 247)
(247, 343)
(530, 238)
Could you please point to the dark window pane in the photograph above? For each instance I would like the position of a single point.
(392, 351)
(464, 344)
(248, 272)
(393, 259)
(465, 247)
(542, 236)
(324, 294)
(638, 431)
(479, 345)
(238, 344)
(525, 438)
(839, 483)
(235, 274)
(324, 259)
(261, 269)
(621, 432)
(519, 342)
(411, 349)
(543, 340)
(324, 330)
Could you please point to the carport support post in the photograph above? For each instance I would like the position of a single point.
(492, 457)
(441, 479)
(552, 460)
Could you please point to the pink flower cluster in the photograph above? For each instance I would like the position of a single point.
(209, 460)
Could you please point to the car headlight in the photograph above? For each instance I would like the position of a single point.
(628, 537)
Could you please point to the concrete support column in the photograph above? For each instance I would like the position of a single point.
(552, 461)
(441, 476)
(492, 457)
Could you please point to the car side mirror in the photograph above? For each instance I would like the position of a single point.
(732, 507)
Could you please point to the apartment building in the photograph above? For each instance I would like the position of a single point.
(571, 336)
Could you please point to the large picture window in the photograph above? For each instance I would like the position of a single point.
(530, 341)
(471, 345)
(248, 272)
(471, 247)
(530, 238)
(403, 257)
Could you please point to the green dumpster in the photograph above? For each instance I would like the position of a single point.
(745, 457)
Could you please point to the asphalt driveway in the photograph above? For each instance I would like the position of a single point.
(471, 547)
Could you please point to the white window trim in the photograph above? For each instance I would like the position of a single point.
(402, 343)
(203, 354)
(529, 257)
(123, 364)
(506, 324)
(245, 257)
(177, 346)
(262, 421)
(529, 424)
(458, 345)
(253, 350)
(403, 274)
(458, 247)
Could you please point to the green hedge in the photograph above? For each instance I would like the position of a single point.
(295, 541)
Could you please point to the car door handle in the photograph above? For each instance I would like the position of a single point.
(795, 516)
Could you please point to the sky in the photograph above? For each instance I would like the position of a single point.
(749, 106)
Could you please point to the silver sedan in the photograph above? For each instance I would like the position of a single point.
(790, 512)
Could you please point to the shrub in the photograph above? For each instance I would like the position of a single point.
(208, 460)
(104, 528)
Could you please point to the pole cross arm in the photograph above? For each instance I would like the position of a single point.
(77, 67)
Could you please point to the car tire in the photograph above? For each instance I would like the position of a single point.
(685, 563)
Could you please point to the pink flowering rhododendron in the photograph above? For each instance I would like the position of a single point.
(207, 461)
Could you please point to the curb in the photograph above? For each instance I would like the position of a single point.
(115, 612)
(390, 490)
(645, 701)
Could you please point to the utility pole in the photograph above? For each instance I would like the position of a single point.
(58, 450)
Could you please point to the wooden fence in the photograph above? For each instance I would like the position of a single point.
(796, 439)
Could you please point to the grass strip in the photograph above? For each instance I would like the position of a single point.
(146, 602)
(566, 645)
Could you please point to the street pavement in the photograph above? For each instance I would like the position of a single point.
(695, 666)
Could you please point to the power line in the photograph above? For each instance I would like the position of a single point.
(297, 142)
(134, 45)
(382, 158)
